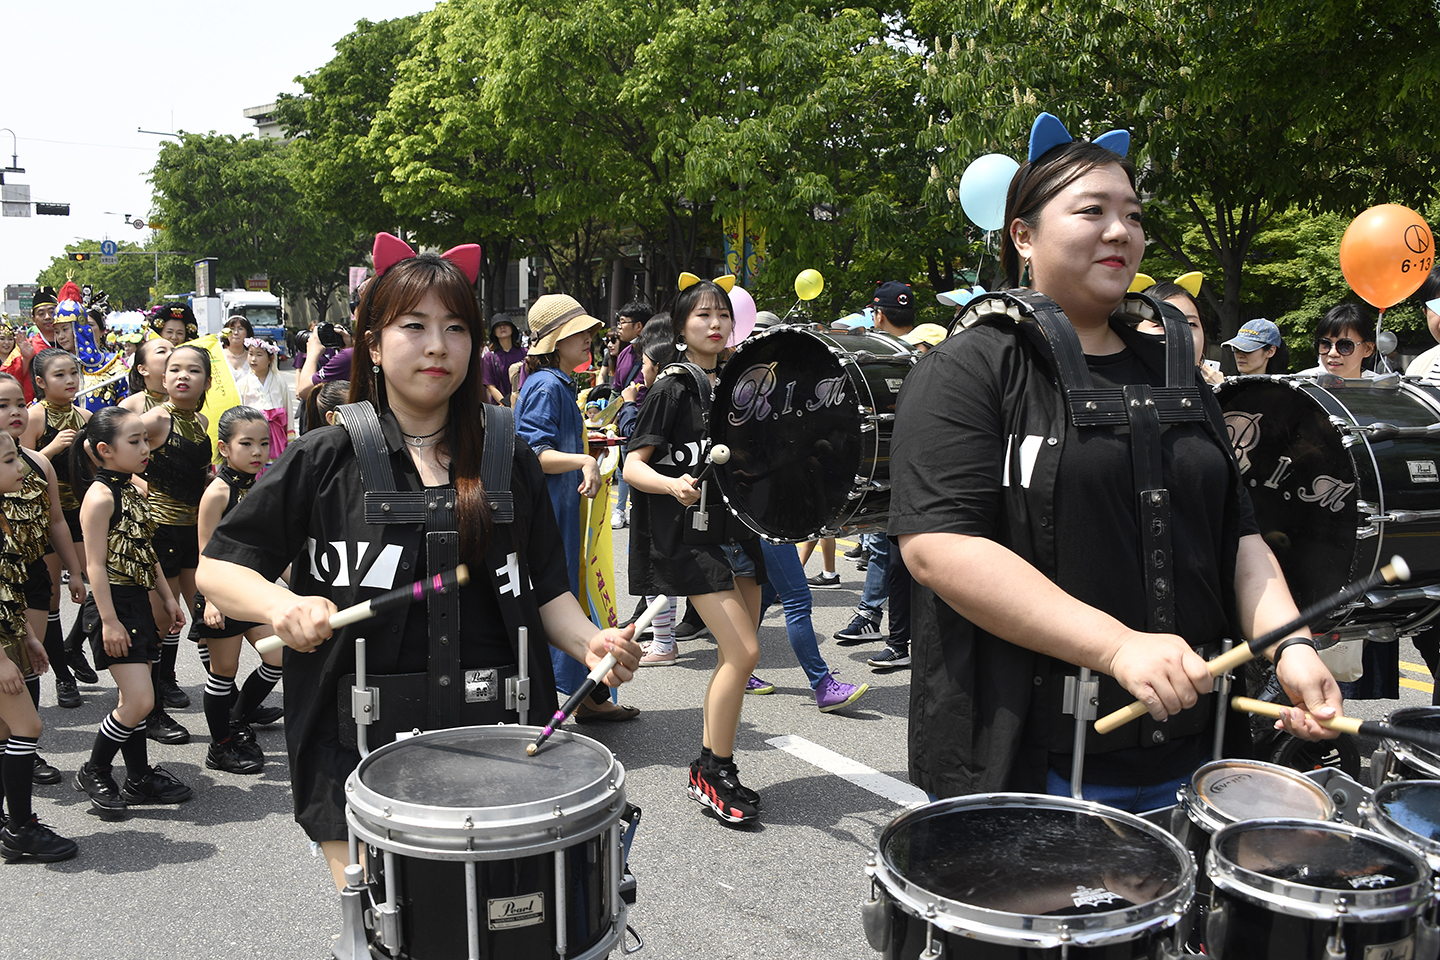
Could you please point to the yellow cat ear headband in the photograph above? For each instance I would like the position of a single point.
(726, 283)
(1189, 282)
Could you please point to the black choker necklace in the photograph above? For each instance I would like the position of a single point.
(419, 441)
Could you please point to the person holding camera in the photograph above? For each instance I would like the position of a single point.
(331, 360)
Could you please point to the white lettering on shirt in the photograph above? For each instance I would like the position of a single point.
(511, 573)
(332, 564)
(1029, 453)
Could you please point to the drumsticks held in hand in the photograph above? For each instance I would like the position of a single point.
(1370, 728)
(1396, 569)
(399, 597)
(603, 667)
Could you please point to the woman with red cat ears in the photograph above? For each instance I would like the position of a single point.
(418, 338)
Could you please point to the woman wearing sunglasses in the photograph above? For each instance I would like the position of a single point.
(1343, 342)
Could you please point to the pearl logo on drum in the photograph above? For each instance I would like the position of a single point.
(510, 912)
(1371, 882)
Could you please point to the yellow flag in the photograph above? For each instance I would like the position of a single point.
(597, 583)
(222, 394)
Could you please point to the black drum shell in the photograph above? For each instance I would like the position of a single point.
(1401, 759)
(909, 939)
(807, 415)
(1315, 483)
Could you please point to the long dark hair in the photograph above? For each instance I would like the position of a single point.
(384, 300)
(1036, 184)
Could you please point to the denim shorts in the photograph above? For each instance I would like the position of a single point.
(740, 563)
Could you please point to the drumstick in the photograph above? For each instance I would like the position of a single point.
(1395, 570)
(399, 597)
(1370, 728)
(719, 454)
(596, 675)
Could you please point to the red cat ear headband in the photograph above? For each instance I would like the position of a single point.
(390, 250)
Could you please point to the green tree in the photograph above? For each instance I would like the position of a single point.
(128, 281)
(235, 199)
(1239, 111)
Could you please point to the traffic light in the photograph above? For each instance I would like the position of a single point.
(82, 256)
(52, 209)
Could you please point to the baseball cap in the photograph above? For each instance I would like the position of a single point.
(1433, 305)
(930, 333)
(1255, 334)
(893, 293)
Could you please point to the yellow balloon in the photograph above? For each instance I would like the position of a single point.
(808, 284)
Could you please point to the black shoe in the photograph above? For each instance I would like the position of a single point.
(44, 774)
(264, 716)
(67, 694)
(245, 743)
(171, 695)
(157, 786)
(860, 628)
(720, 790)
(35, 840)
(228, 757)
(890, 658)
(163, 728)
(685, 630)
(81, 668)
(99, 784)
(855, 552)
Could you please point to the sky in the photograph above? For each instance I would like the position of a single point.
(82, 78)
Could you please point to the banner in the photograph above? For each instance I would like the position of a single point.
(744, 247)
(222, 394)
(597, 549)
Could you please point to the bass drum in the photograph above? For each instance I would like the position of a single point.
(1333, 502)
(807, 417)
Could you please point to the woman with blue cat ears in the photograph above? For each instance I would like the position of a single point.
(1026, 531)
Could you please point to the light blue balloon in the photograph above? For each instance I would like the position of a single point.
(983, 187)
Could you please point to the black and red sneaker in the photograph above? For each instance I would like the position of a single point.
(720, 790)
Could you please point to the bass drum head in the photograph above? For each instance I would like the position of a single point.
(791, 417)
(1035, 870)
(1301, 479)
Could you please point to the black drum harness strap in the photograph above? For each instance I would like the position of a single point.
(1146, 412)
(435, 509)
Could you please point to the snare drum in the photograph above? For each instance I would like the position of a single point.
(1014, 876)
(807, 417)
(1303, 890)
(1402, 760)
(1407, 811)
(476, 850)
(1334, 504)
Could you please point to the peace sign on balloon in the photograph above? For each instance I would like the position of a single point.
(1386, 254)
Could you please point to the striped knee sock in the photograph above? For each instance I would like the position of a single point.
(257, 687)
(18, 769)
(111, 737)
(218, 691)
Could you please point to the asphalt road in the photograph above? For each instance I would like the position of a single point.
(230, 875)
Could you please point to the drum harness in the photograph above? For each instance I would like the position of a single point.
(445, 700)
(1146, 411)
(385, 503)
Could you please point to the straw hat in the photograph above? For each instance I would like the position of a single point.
(554, 317)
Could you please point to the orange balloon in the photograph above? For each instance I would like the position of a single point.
(1386, 254)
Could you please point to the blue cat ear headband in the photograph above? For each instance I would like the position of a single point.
(1047, 132)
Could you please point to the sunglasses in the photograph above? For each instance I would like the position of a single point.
(1344, 346)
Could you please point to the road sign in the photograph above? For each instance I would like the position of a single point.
(107, 248)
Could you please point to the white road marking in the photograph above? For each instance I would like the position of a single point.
(866, 778)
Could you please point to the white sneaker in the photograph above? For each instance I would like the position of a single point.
(618, 521)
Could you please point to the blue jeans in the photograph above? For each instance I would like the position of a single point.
(787, 581)
(877, 575)
(622, 494)
(1134, 799)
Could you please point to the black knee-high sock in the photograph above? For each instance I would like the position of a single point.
(204, 650)
(55, 646)
(17, 771)
(218, 693)
(156, 674)
(257, 687)
(32, 683)
(108, 740)
(169, 650)
(136, 750)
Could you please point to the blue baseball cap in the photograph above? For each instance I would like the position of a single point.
(1255, 334)
(1433, 305)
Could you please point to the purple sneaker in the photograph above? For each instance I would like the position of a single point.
(757, 687)
(833, 695)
